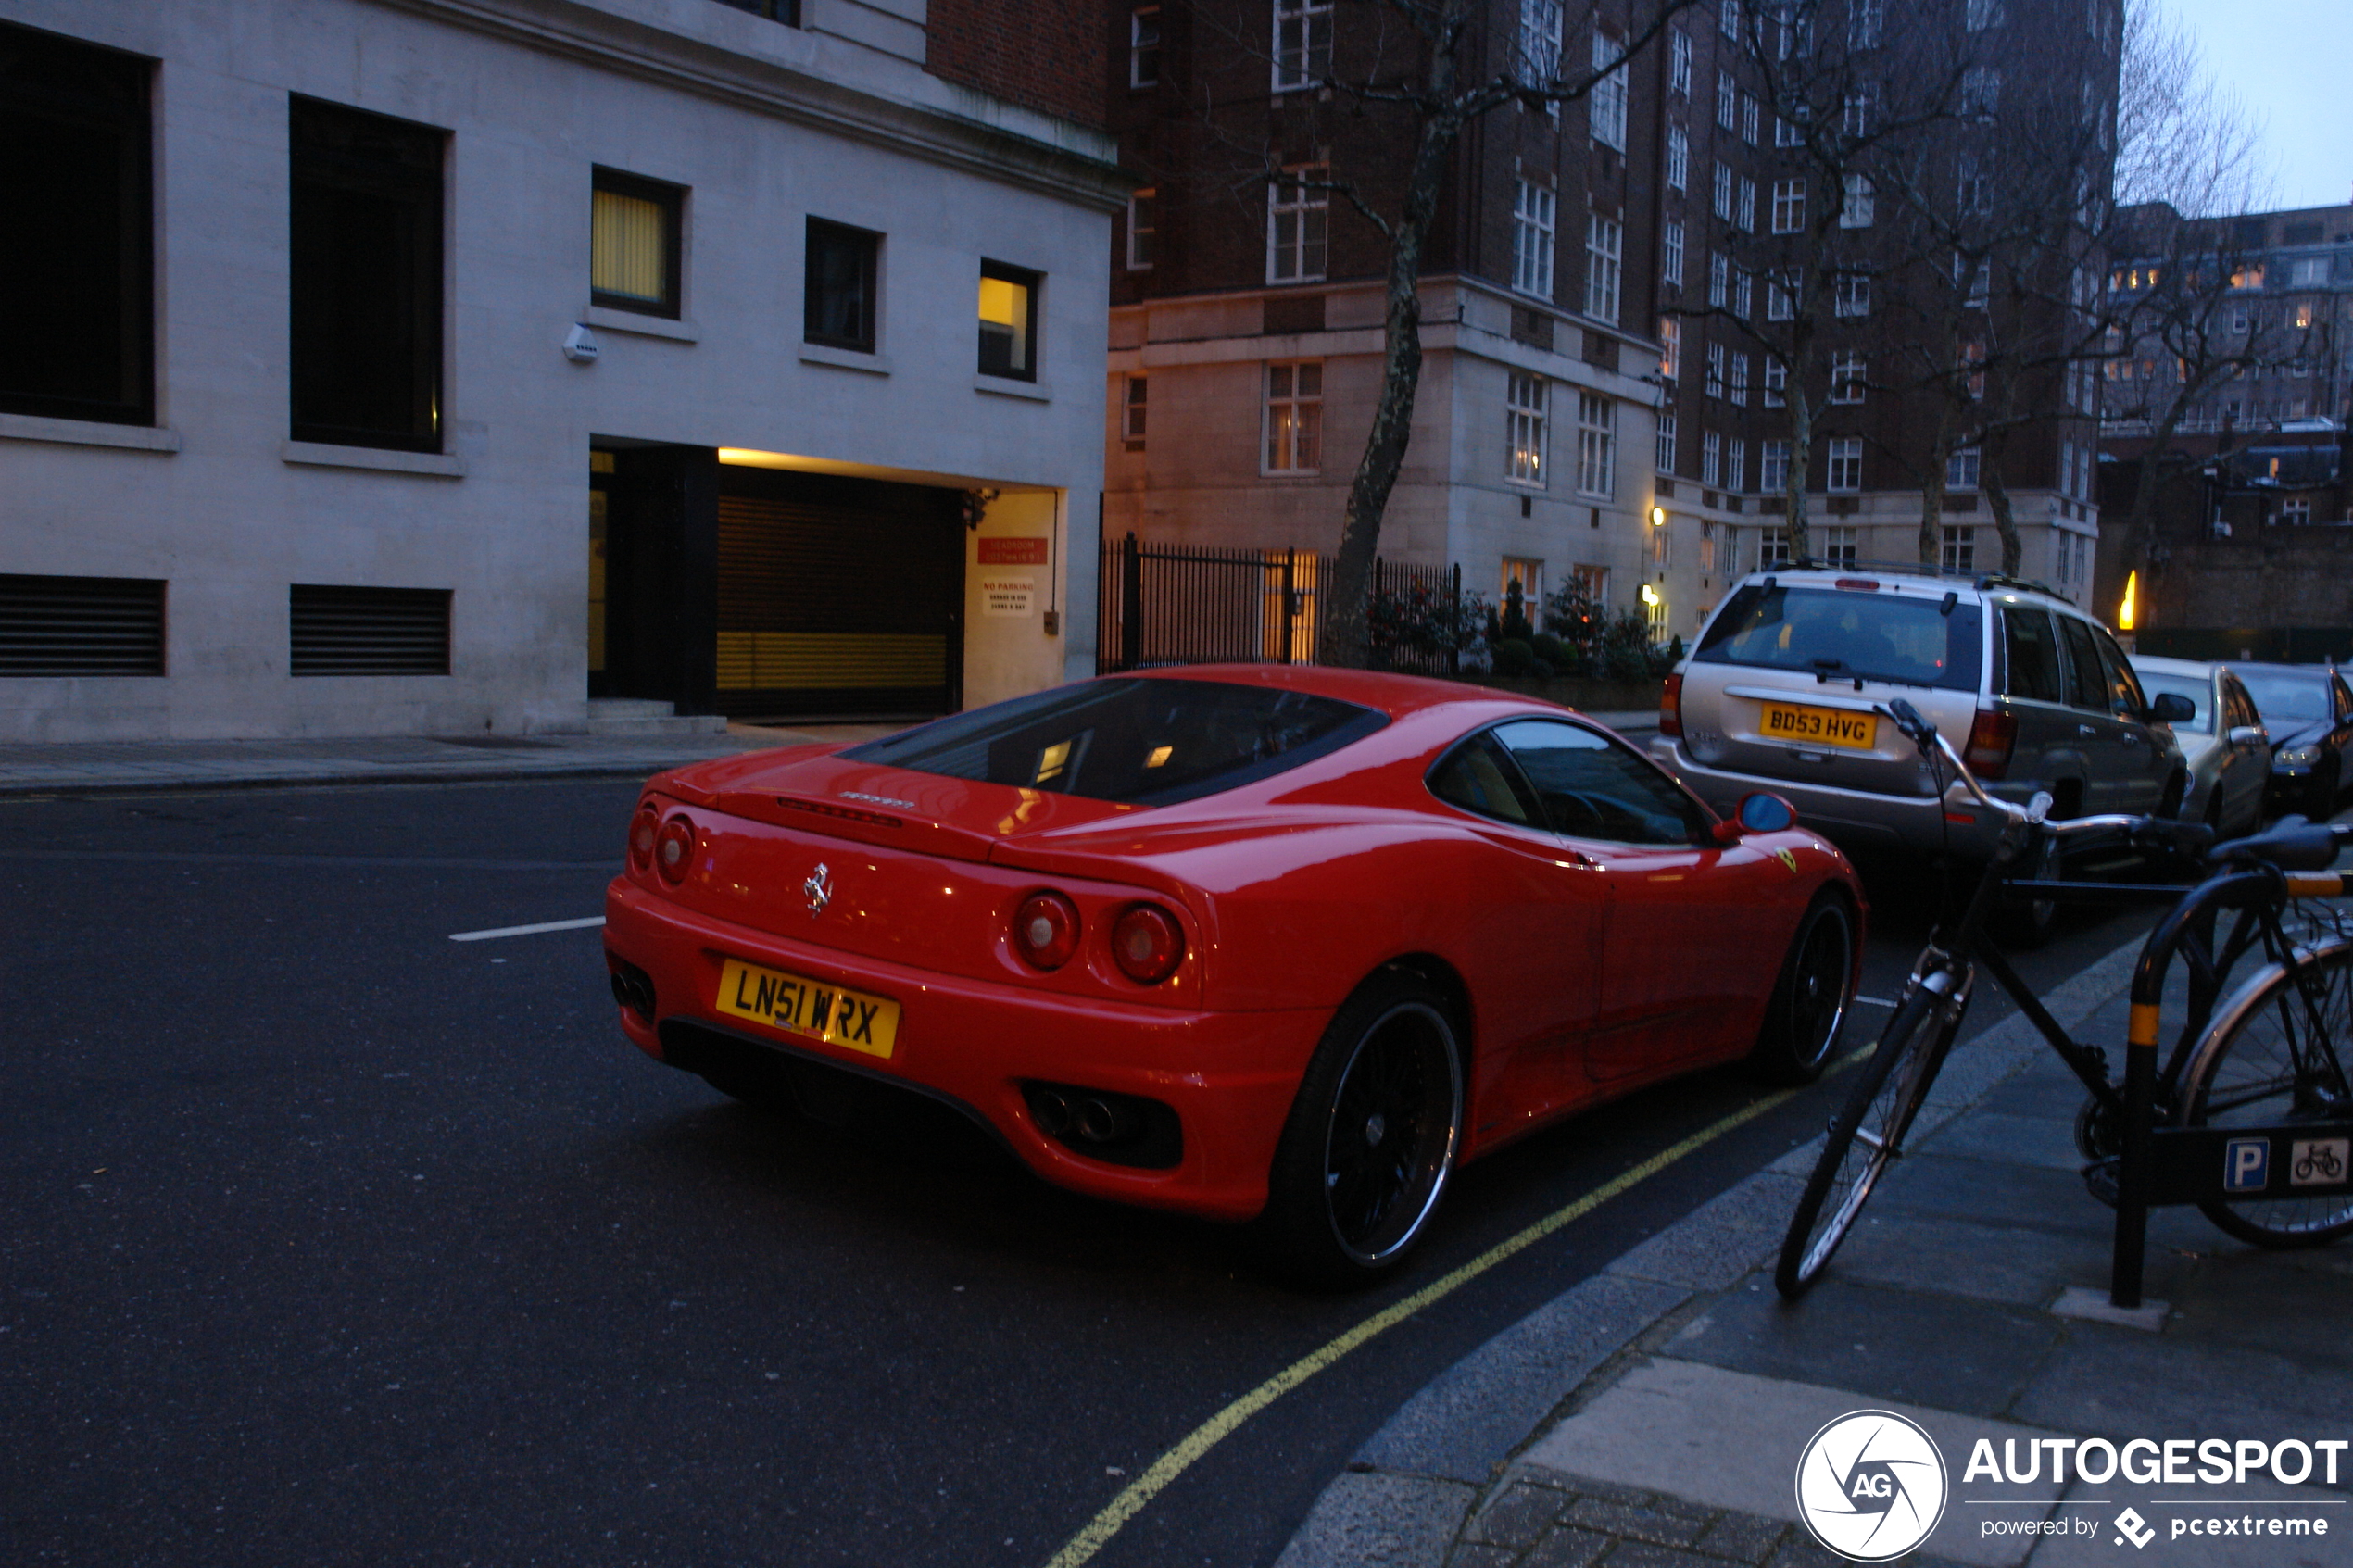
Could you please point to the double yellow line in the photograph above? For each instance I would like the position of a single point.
(1138, 1493)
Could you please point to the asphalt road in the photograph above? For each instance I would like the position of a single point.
(333, 1241)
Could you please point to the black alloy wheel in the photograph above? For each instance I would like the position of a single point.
(1808, 1003)
(1372, 1137)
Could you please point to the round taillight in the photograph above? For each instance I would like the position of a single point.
(642, 830)
(1046, 930)
(675, 848)
(1147, 944)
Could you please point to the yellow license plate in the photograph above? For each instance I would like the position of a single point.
(1821, 726)
(800, 1006)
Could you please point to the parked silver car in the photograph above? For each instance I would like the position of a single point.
(2228, 750)
(1779, 693)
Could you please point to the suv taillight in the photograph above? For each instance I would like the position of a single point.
(1671, 708)
(1991, 738)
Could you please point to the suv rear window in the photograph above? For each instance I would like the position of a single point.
(1846, 633)
(1140, 742)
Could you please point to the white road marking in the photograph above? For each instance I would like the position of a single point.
(527, 930)
(1864, 1002)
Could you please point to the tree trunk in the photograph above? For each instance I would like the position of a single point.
(1998, 497)
(1401, 377)
(1932, 491)
(1801, 454)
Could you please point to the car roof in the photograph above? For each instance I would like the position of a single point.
(1913, 578)
(2158, 665)
(1396, 695)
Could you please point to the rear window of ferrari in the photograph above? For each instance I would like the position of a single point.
(1137, 742)
(1844, 633)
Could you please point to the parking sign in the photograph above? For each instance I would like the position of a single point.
(2246, 1164)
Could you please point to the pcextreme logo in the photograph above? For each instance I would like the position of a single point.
(1872, 1485)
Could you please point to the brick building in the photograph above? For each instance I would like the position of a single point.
(1611, 291)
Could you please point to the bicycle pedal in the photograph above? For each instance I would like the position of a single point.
(2102, 1180)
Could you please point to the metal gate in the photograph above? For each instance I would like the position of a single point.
(1202, 604)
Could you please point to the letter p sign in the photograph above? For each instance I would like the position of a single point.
(2246, 1164)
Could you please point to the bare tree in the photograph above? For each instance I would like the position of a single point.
(2183, 138)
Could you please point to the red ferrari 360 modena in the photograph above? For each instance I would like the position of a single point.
(1280, 944)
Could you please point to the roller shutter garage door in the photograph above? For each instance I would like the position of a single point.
(838, 597)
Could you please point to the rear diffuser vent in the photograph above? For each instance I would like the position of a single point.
(369, 631)
(81, 626)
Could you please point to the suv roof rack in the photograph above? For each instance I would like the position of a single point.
(1975, 578)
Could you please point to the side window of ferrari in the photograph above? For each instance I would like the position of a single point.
(1592, 788)
(1478, 777)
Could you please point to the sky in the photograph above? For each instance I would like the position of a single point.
(2288, 61)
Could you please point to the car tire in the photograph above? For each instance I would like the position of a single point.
(1371, 1139)
(2323, 805)
(1809, 1003)
(2175, 795)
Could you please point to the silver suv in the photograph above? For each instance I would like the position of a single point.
(1780, 690)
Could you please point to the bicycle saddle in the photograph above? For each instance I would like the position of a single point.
(2290, 844)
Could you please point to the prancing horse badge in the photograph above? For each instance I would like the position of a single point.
(819, 888)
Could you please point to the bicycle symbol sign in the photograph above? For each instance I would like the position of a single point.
(2246, 1164)
(2319, 1161)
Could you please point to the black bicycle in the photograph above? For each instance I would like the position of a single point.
(2275, 1052)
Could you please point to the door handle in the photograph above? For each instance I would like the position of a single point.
(2085, 730)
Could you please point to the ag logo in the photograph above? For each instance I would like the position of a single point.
(1871, 1485)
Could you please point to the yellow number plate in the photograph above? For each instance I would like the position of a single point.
(808, 1007)
(1821, 726)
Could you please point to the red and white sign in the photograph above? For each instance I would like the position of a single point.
(1013, 550)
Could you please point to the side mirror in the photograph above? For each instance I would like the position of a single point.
(1761, 812)
(2172, 708)
(2250, 735)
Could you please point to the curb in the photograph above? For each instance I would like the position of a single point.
(50, 789)
(1415, 1485)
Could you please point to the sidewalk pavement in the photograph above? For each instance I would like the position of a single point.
(1653, 1415)
(110, 767)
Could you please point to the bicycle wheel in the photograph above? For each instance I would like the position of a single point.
(2276, 1053)
(1867, 1135)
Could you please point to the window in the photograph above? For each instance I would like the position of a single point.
(1131, 412)
(1790, 132)
(1667, 443)
(2296, 510)
(1670, 338)
(2308, 272)
(1739, 381)
(1596, 788)
(365, 255)
(1846, 378)
(1747, 219)
(1846, 465)
(634, 244)
(1972, 192)
(1303, 43)
(1724, 192)
(1838, 547)
(1143, 229)
(1743, 292)
(76, 344)
(1959, 552)
(1736, 465)
(1781, 293)
(1866, 19)
(1533, 240)
(1711, 459)
(1008, 321)
(1540, 39)
(1294, 417)
(1524, 420)
(1678, 62)
(1861, 110)
(1715, 387)
(1748, 120)
(1719, 279)
(1852, 294)
(1678, 158)
(1727, 99)
(1961, 469)
(1982, 14)
(1727, 18)
(1981, 279)
(1607, 101)
(1671, 247)
(1776, 383)
(1602, 240)
(1296, 210)
(2247, 275)
(1793, 32)
(1789, 206)
(1981, 91)
(1143, 46)
(1661, 541)
(1523, 577)
(837, 288)
(1596, 445)
(1654, 612)
(1772, 466)
(1857, 210)
(1772, 549)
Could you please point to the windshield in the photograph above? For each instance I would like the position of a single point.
(1138, 742)
(1847, 633)
(2287, 694)
(2198, 690)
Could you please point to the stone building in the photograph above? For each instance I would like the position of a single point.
(434, 367)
